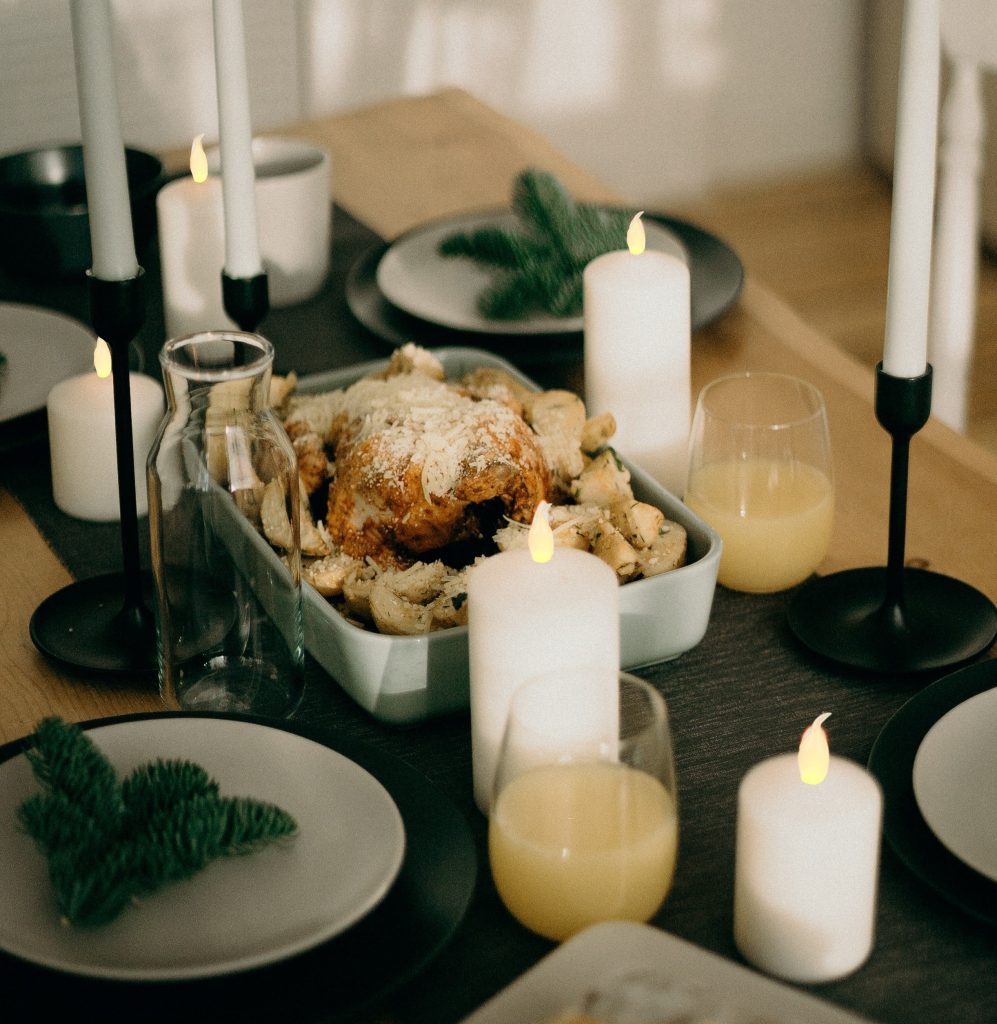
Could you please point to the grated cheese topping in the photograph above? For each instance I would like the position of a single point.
(421, 421)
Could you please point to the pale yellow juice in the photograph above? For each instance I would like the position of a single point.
(774, 517)
(571, 845)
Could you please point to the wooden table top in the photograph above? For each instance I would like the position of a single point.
(400, 163)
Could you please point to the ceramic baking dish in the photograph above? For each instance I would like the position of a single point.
(406, 679)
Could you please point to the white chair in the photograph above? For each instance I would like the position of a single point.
(969, 46)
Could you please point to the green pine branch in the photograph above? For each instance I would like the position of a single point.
(160, 785)
(66, 761)
(492, 246)
(109, 843)
(545, 209)
(537, 264)
(598, 230)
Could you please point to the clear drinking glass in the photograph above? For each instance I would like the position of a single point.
(760, 474)
(228, 602)
(584, 823)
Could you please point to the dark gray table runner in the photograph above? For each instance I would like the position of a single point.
(746, 692)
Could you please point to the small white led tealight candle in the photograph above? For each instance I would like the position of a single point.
(808, 838)
(82, 440)
(532, 612)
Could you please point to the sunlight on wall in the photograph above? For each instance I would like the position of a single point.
(167, 59)
(792, 94)
(690, 45)
(569, 64)
(599, 78)
(164, 65)
(660, 98)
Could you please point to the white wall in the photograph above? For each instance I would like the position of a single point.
(164, 63)
(658, 97)
(661, 98)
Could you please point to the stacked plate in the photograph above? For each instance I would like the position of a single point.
(405, 291)
(262, 907)
(356, 885)
(955, 781)
(937, 761)
(643, 971)
(41, 348)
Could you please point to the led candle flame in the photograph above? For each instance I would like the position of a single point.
(541, 537)
(636, 239)
(198, 160)
(102, 359)
(814, 756)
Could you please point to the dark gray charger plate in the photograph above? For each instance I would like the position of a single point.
(892, 762)
(340, 977)
(716, 275)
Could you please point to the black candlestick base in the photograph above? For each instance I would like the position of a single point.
(104, 623)
(89, 625)
(895, 619)
(941, 621)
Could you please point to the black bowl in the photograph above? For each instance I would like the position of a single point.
(44, 224)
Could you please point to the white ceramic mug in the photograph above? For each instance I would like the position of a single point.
(294, 213)
(294, 210)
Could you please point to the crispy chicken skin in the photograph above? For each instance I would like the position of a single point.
(420, 466)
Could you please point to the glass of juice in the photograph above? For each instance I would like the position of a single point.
(760, 474)
(584, 822)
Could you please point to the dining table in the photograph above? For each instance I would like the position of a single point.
(743, 693)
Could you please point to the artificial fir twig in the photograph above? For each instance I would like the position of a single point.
(110, 842)
(537, 265)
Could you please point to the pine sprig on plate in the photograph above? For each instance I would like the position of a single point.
(108, 843)
(537, 265)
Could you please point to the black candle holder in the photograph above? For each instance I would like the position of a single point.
(104, 623)
(246, 300)
(895, 619)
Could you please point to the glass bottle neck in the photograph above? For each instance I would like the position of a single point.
(226, 371)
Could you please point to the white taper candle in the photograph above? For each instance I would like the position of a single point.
(108, 204)
(242, 246)
(906, 341)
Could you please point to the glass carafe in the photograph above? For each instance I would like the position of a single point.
(224, 522)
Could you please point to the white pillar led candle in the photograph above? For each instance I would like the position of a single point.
(807, 863)
(82, 443)
(191, 250)
(570, 713)
(909, 280)
(294, 215)
(108, 204)
(293, 212)
(527, 618)
(637, 354)
(242, 247)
